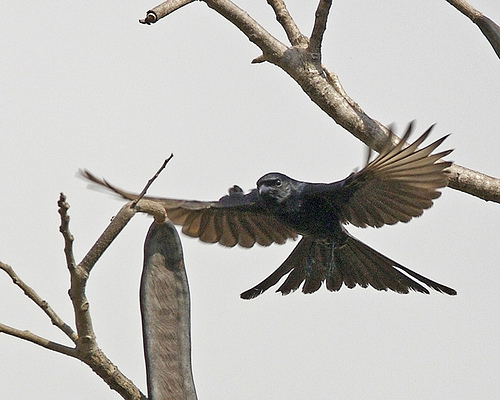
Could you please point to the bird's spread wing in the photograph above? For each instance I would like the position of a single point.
(234, 219)
(396, 186)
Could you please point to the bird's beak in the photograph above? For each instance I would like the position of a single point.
(264, 189)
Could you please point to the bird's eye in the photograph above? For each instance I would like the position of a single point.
(277, 182)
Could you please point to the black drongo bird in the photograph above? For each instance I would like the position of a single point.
(396, 186)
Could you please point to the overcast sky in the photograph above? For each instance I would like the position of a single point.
(84, 85)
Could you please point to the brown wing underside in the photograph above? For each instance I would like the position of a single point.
(237, 220)
(397, 185)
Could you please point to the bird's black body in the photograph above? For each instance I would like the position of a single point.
(395, 187)
(308, 208)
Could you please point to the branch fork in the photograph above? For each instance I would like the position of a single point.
(85, 346)
(301, 59)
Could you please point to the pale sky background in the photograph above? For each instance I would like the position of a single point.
(84, 85)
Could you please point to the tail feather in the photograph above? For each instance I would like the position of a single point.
(382, 269)
(378, 279)
(351, 263)
(436, 286)
(315, 270)
(293, 281)
(293, 261)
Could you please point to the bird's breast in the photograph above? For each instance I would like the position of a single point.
(309, 219)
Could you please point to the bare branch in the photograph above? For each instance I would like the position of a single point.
(271, 47)
(334, 80)
(285, 19)
(489, 28)
(110, 233)
(163, 10)
(150, 182)
(80, 274)
(465, 8)
(64, 229)
(153, 208)
(88, 350)
(475, 183)
(321, 18)
(40, 341)
(325, 89)
(110, 374)
(33, 296)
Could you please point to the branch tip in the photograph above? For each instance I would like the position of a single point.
(151, 18)
(64, 229)
(260, 59)
(162, 10)
(150, 182)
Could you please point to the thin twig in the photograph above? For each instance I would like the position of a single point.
(64, 229)
(33, 296)
(40, 341)
(150, 182)
(321, 18)
(291, 29)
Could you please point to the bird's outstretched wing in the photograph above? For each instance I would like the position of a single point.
(236, 218)
(399, 184)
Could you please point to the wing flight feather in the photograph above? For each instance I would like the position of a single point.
(397, 185)
(235, 219)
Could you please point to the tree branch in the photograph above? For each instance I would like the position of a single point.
(321, 18)
(163, 10)
(150, 182)
(324, 89)
(110, 233)
(86, 345)
(33, 296)
(40, 341)
(64, 229)
(80, 274)
(489, 29)
(271, 47)
(475, 183)
(86, 348)
(291, 29)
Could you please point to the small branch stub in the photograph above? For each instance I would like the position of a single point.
(163, 10)
(150, 18)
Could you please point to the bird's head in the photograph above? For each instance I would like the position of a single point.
(275, 188)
